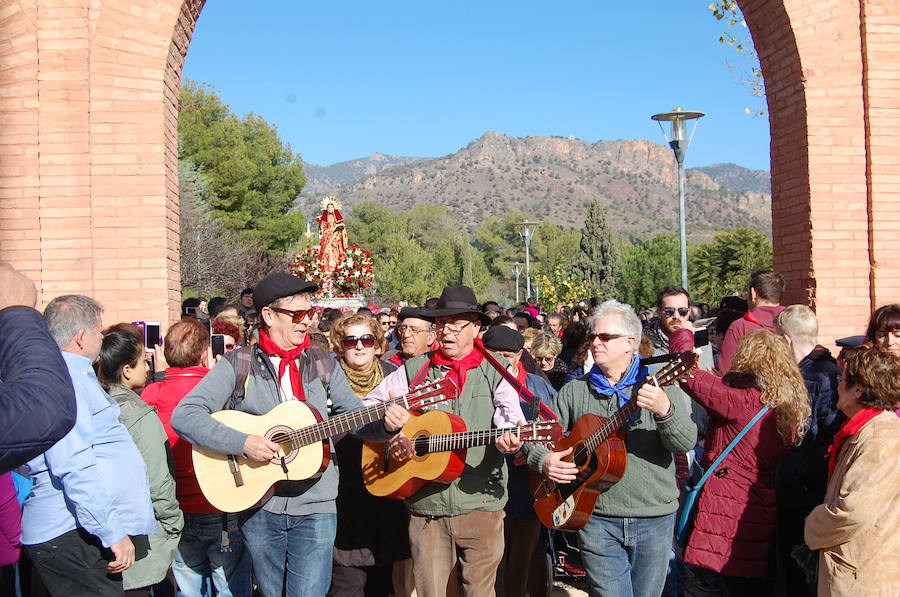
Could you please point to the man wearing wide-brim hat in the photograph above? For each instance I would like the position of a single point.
(461, 521)
(298, 517)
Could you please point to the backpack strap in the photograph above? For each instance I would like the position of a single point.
(241, 361)
(317, 364)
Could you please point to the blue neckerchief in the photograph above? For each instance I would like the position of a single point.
(637, 372)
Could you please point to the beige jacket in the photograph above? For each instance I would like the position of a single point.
(857, 528)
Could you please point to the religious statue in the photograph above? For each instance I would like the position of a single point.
(332, 235)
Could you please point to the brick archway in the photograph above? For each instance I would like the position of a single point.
(88, 149)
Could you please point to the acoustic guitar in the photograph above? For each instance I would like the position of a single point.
(440, 440)
(599, 455)
(235, 483)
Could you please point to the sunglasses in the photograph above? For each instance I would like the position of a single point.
(669, 311)
(296, 316)
(604, 337)
(368, 341)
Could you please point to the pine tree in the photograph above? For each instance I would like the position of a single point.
(598, 264)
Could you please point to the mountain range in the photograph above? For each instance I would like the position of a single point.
(554, 179)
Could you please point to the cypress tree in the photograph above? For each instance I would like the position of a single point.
(598, 265)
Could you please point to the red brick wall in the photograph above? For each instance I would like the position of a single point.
(88, 149)
(832, 70)
(88, 142)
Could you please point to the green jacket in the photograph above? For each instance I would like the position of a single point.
(648, 487)
(482, 484)
(154, 553)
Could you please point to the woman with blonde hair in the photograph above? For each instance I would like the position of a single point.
(735, 522)
(371, 532)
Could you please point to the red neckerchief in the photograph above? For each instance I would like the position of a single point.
(458, 369)
(288, 359)
(521, 374)
(752, 319)
(396, 359)
(850, 427)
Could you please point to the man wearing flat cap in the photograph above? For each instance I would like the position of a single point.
(416, 335)
(521, 527)
(299, 518)
(460, 522)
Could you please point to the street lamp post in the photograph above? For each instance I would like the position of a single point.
(517, 271)
(527, 232)
(679, 144)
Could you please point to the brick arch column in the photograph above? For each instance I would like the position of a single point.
(832, 72)
(88, 149)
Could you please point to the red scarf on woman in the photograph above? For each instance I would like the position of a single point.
(458, 369)
(850, 427)
(288, 359)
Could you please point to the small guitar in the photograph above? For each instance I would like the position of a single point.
(600, 456)
(440, 440)
(235, 483)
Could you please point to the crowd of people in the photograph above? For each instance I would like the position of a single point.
(99, 494)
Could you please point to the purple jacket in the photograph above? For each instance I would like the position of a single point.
(10, 522)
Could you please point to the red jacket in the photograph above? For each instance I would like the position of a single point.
(165, 396)
(760, 317)
(735, 522)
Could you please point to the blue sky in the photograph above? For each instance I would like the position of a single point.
(344, 79)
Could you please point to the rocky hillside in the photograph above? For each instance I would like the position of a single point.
(554, 179)
(738, 178)
(323, 179)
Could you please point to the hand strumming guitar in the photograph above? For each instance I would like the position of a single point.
(258, 448)
(556, 468)
(400, 448)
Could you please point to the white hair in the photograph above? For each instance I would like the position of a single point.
(628, 324)
(66, 315)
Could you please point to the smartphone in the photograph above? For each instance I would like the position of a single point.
(217, 341)
(152, 334)
(701, 337)
(190, 311)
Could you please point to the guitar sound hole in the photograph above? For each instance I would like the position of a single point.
(420, 448)
(580, 456)
(280, 438)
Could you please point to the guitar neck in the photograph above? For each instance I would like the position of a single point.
(457, 441)
(467, 439)
(612, 424)
(341, 423)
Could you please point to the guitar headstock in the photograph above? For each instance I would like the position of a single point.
(544, 431)
(431, 393)
(678, 368)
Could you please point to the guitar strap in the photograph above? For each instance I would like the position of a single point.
(538, 408)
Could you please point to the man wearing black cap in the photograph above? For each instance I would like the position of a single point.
(521, 528)
(299, 519)
(460, 522)
(416, 336)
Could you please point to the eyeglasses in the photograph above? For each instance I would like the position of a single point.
(549, 359)
(230, 347)
(447, 328)
(368, 341)
(604, 337)
(296, 316)
(402, 329)
(388, 324)
(669, 311)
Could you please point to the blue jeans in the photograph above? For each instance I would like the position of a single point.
(626, 556)
(200, 564)
(298, 547)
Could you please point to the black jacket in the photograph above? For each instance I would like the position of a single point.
(803, 472)
(37, 401)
